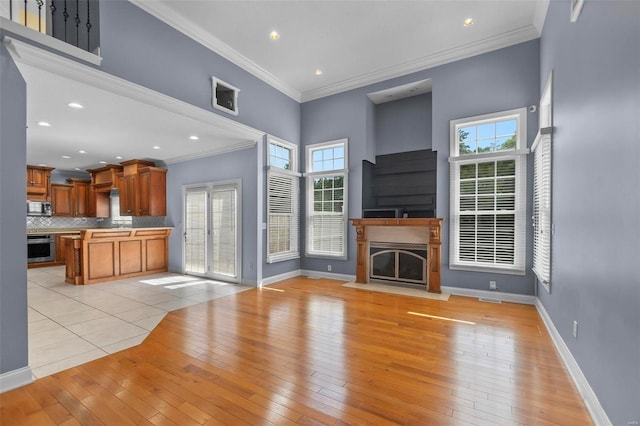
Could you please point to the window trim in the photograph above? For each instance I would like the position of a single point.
(309, 176)
(519, 212)
(294, 230)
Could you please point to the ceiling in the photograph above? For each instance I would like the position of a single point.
(354, 43)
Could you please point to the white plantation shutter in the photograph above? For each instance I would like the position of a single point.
(224, 230)
(542, 207)
(282, 217)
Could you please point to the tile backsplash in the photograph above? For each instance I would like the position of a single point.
(91, 222)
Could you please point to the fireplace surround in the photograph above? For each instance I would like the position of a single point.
(392, 232)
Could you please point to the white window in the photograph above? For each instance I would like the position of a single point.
(487, 190)
(327, 199)
(282, 202)
(541, 149)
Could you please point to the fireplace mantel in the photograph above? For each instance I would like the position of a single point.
(434, 226)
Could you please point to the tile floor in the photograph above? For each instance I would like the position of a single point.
(70, 325)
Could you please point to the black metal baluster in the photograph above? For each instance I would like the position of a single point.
(40, 3)
(88, 26)
(11, 10)
(53, 9)
(66, 17)
(25, 13)
(77, 20)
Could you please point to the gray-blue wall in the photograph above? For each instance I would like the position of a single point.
(13, 260)
(403, 125)
(596, 201)
(495, 81)
(144, 50)
(233, 165)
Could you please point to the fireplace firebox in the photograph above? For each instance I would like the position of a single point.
(398, 262)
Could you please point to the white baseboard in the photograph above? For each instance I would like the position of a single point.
(329, 275)
(490, 295)
(15, 378)
(598, 415)
(279, 277)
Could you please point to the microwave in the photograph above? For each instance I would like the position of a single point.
(38, 208)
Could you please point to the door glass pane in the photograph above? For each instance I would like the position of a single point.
(224, 232)
(195, 246)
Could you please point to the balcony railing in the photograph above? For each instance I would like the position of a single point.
(73, 21)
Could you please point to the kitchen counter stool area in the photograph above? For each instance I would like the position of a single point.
(70, 325)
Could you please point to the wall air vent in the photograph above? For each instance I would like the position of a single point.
(225, 96)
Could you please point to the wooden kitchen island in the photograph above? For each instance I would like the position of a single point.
(98, 255)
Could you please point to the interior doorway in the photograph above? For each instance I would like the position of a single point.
(212, 231)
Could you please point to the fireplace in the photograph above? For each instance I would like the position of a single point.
(398, 262)
(399, 250)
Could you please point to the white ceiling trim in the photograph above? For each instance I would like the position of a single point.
(209, 153)
(53, 43)
(468, 50)
(158, 10)
(30, 55)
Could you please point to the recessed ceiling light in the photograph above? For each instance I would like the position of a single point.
(194, 137)
(318, 71)
(119, 157)
(274, 35)
(82, 151)
(75, 105)
(468, 22)
(66, 157)
(77, 168)
(44, 124)
(156, 147)
(102, 162)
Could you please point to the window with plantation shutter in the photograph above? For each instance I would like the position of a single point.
(487, 192)
(282, 202)
(542, 207)
(327, 199)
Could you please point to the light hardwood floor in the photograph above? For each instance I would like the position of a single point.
(309, 351)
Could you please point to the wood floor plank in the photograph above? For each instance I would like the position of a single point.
(316, 353)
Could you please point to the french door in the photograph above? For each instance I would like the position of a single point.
(211, 230)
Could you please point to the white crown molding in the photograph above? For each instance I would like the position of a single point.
(24, 53)
(15, 378)
(540, 15)
(451, 55)
(598, 415)
(166, 15)
(48, 41)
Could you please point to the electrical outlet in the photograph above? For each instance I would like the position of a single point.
(329, 268)
(493, 285)
(575, 329)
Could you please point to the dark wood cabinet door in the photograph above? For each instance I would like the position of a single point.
(61, 200)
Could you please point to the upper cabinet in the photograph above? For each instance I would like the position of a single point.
(38, 183)
(103, 180)
(143, 189)
(70, 200)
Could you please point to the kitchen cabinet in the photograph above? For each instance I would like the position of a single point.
(142, 189)
(61, 199)
(103, 180)
(38, 183)
(70, 200)
(79, 197)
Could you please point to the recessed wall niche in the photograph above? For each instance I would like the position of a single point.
(225, 96)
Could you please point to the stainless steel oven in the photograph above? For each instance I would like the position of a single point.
(41, 248)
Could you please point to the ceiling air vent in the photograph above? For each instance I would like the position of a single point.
(225, 96)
